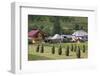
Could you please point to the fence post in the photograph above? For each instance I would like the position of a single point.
(42, 48)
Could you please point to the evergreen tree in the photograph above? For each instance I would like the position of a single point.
(53, 49)
(78, 53)
(67, 51)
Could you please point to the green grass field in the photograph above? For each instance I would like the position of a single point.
(47, 55)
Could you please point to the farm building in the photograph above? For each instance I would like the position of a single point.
(81, 35)
(59, 38)
(67, 36)
(36, 36)
(56, 38)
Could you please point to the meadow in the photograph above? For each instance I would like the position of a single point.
(48, 51)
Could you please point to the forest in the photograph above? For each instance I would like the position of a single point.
(57, 24)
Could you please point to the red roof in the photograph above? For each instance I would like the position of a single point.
(33, 33)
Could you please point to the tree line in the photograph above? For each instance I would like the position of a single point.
(57, 24)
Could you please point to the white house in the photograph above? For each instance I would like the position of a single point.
(80, 34)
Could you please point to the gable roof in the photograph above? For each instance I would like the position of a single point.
(80, 33)
(33, 33)
(57, 36)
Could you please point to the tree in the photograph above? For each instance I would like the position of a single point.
(53, 49)
(67, 51)
(57, 24)
(76, 26)
(67, 19)
(56, 27)
(78, 53)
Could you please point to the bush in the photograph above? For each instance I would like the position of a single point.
(60, 50)
(84, 48)
(67, 51)
(37, 48)
(78, 53)
(53, 49)
(42, 48)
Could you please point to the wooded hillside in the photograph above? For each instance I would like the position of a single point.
(57, 24)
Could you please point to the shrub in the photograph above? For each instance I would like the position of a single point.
(67, 51)
(78, 53)
(60, 50)
(53, 49)
(37, 48)
(84, 48)
(42, 48)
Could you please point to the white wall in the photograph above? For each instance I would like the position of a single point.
(5, 28)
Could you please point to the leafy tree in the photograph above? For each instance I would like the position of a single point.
(67, 19)
(76, 26)
(56, 27)
(57, 24)
(84, 49)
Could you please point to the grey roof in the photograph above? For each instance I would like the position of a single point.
(56, 36)
(80, 33)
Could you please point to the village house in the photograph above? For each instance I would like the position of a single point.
(36, 36)
(80, 35)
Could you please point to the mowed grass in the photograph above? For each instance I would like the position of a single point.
(47, 55)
